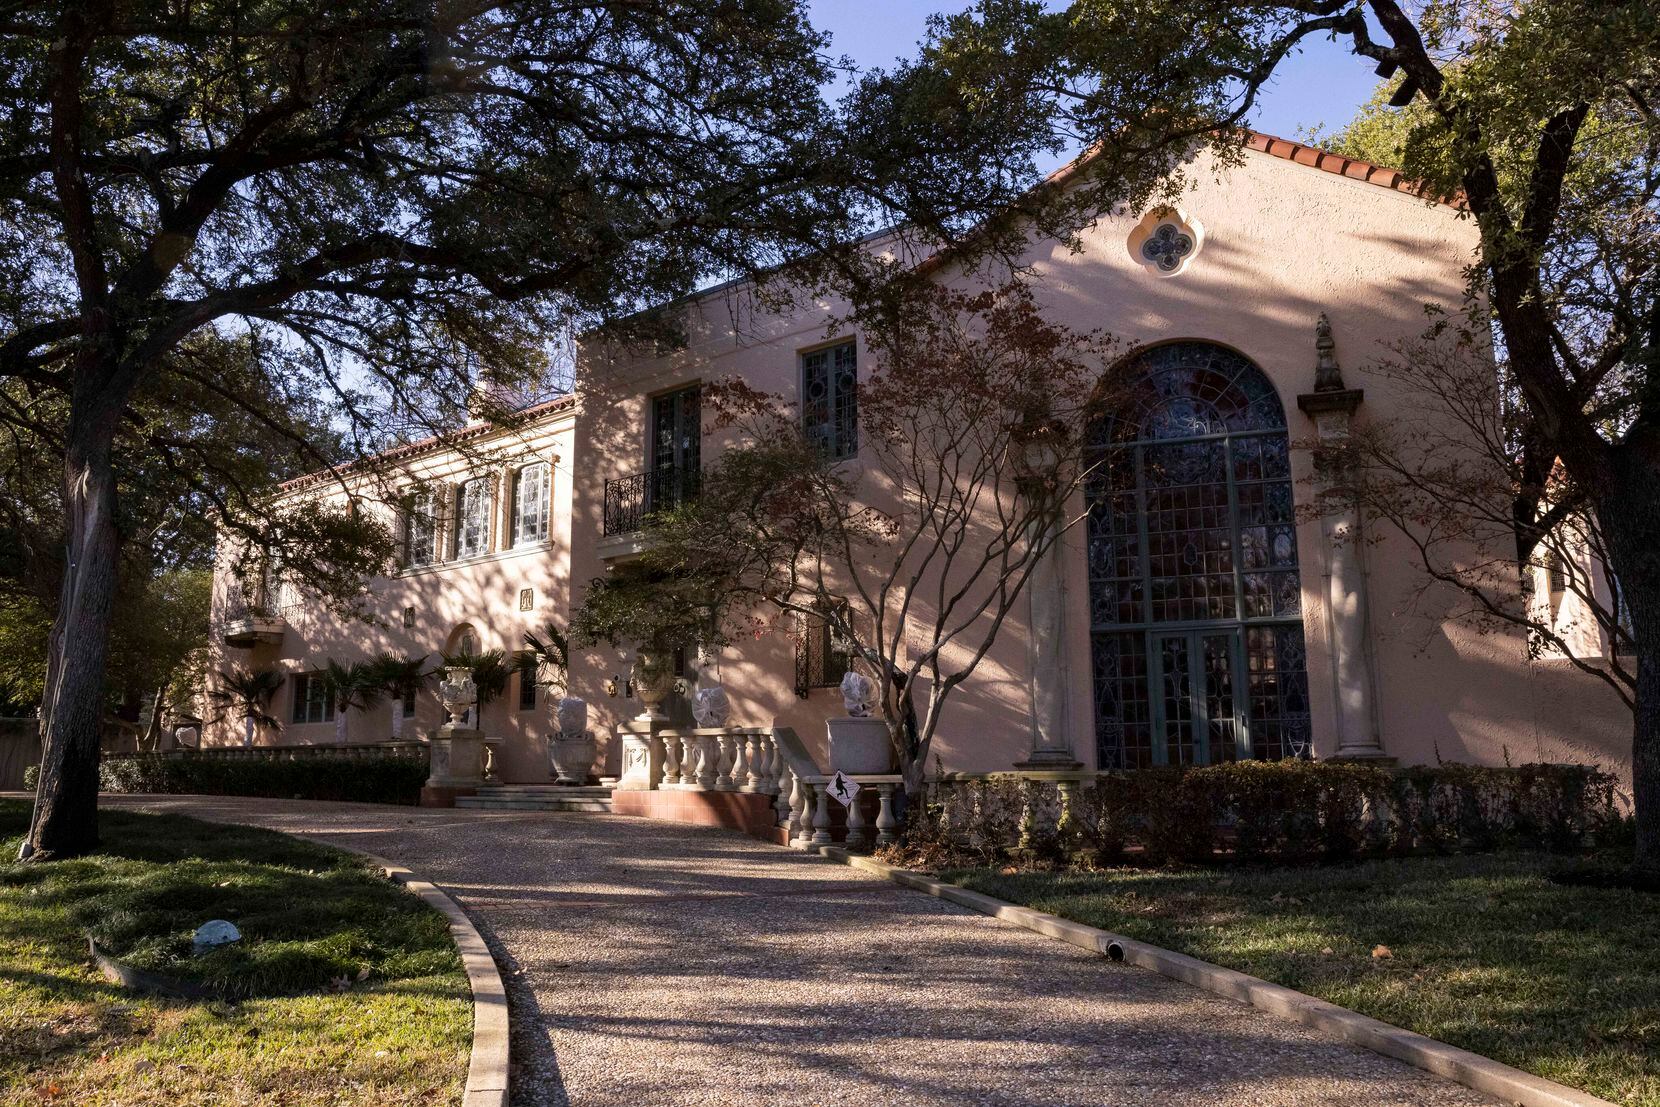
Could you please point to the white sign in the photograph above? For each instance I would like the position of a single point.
(843, 788)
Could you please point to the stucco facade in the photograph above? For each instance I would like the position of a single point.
(1279, 241)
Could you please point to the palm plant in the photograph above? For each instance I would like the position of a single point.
(552, 651)
(400, 676)
(358, 685)
(247, 695)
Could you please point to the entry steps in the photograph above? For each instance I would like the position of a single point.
(538, 797)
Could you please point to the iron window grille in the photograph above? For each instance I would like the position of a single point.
(821, 659)
(829, 399)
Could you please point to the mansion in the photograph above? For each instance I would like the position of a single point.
(1195, 615)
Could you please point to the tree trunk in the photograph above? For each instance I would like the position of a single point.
(1629, 511)
(152, 734)
(340, 727)
(65, 822)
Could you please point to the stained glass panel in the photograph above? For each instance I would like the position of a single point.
(1193, 576)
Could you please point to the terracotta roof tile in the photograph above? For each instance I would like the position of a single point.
(1316, 158)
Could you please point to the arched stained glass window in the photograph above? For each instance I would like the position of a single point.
(1195, 598)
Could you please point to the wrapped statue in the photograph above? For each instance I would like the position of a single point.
(710, 707)
(573, 716)
(858, 693)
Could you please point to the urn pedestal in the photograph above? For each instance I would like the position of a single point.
(859, 746)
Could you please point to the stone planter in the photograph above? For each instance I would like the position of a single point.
(573, 757)
(859, 746)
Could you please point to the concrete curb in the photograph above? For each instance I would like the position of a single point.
(1469, 1069)
(487, 1070)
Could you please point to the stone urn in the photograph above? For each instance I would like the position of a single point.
(653, 681)
(573, 748)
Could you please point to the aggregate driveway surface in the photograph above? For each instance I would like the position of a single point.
(657, 965)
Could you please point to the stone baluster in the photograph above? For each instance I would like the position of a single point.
(746, 774)
(804, 817)
(788, 803)
(885, 822)
(858, 836)
(732, 767)
(689, 756)
(1066, 826)
(671, 760)
(708, 762)
(766, 769)
(821, 817)
(781, 764)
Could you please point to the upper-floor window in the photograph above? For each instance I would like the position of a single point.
(530, 504)
(829, 399)
(421, 531)
(472, 518)
(312, 702)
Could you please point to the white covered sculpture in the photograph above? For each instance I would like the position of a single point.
(858, 693)
(573, 716)
(573, 749)
(710, 707)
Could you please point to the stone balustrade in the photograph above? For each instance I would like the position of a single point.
(806, 811)
(719, 759)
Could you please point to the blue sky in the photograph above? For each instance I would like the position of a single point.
(1323, 85)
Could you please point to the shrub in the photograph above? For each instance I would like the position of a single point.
(359, 779)
(1268, 811)
(31, 777)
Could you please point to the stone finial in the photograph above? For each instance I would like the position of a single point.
(1328, 377)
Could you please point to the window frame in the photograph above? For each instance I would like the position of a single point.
(311, 692)
(837, 434)
(528, 668)
(484, 509)
(414, 514)
(544, 505)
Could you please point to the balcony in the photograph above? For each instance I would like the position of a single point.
(630, 501)
(250, 625)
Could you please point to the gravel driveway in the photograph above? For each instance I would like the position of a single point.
(657, 965)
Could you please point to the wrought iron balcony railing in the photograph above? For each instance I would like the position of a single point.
(629, 501)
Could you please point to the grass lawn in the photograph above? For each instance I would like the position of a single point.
(1484, 952)
(347, 989)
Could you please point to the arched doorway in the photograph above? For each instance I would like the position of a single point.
(1195, 603)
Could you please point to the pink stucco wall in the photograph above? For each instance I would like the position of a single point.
(1283, 243)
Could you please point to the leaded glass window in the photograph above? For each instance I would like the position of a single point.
(472, 518)
(530, 504)
(421, 531)
(1195, 598)
(829, 399)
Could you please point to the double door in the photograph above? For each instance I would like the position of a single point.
(1195, 675)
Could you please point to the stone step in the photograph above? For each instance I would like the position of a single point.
(539, 790)
(486, 802)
